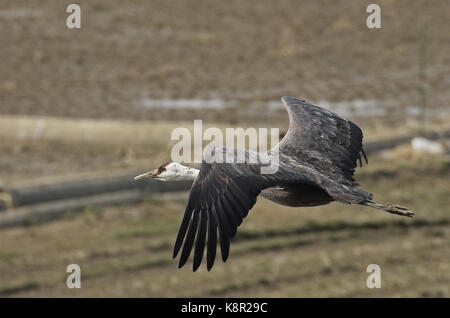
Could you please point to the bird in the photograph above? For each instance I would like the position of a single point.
(316, 157)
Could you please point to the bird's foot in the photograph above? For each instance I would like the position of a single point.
(399, 210)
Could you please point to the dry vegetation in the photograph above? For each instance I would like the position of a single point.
(247, 50)
(38, 148)
(64, 147)
(126, 251)
(71, 104)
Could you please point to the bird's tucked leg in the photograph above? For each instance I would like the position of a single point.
(391, 208)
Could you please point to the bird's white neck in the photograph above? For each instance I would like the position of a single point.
(177, 172)
(189, 173)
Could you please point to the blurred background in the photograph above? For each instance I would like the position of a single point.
(84, 110)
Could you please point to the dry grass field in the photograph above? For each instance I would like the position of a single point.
(76, 102)
(66, 147)
(125, 251)
(254, 50)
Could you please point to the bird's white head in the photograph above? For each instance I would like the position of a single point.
(170, 172)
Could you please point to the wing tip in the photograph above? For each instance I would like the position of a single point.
(364, 154)
(181, 264)
(225, 254)
(287, 99)
(195, 267)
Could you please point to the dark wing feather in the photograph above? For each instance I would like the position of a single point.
(201, 238)
(190, 236)
(220, 198)
(322, 140)
(212, 240)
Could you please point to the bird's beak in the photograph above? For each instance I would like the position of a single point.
(147, 175)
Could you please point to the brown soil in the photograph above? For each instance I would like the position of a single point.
(244, 50)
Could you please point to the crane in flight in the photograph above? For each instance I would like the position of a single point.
(316, 161)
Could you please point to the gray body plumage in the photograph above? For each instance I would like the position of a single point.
(301, 195)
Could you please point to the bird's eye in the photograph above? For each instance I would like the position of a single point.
(163, 167)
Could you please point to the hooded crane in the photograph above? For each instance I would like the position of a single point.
(316, 161)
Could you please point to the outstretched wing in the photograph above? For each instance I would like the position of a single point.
(220, 198)
(322, 140)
